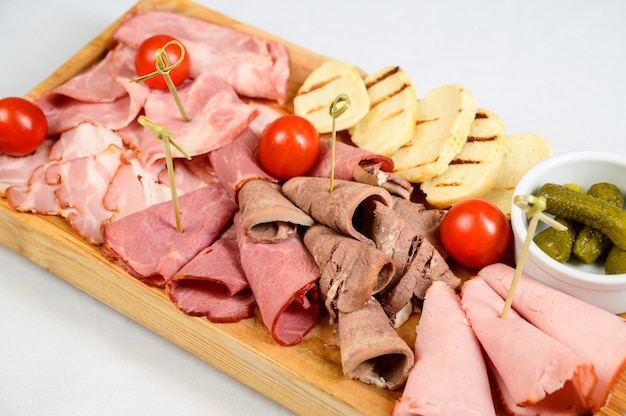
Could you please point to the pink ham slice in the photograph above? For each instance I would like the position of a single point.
(450, 375)
(595, 334)
(371, 350)
(217, 117)
(530, 363)
(86, 139)
(252, 66)
(283, 278)
(38, 197)
(213, 284)
(16, 171)
(148, 245)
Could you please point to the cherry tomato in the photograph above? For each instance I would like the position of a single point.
(289, 146)
(145, 61)
(23, 126)
(475, 233)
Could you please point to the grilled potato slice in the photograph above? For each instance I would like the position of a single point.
(322, 86)
(474, 169)
(390, 121)
(444, 117)
(521, 152)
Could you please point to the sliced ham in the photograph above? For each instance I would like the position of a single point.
(348, 209)
(351, 271)
(16, 171)
(450, 375)
(86, 139)
(283, 277)
(213, 284)
(371, 349)
(38, 196)
(216, 117)
(531, 364)
(237, 162)
(593, 333)
(254, 67)
(266, 215)
(148, 245)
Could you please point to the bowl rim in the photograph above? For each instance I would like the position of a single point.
(563, 272)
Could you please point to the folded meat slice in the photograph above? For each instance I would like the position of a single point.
(147, 243)
(283, 277)
(595, 334)
(371, 350)
(86, 139)
(216, 117)
(426, 221)
(450, 375)
(253, 66)
(16, 171)
(531, 364)
(266, 215)
(373, 174)
(351, 271)
(213, 284)
(348, 209)
(237, 162)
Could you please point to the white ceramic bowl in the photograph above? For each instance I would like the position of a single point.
(586, 282)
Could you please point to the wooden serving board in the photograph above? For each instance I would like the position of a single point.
(305, 378)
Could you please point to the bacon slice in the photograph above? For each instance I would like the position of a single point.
(254, 67)
(450, 375)
(148, 245)
(530, 363)
(16, 171)
(283, 278)
(595, 334)
(213, 284)
(371, 350)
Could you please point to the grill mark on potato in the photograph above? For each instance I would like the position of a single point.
(465, 162)
(382, 77)
(418, 122)
(481, 114)
(392, 115)
(319, 85)
(474, 139)
(389, 96)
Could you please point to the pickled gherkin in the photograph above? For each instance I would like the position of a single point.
(592, 243)
(558, 244)
(615, 261)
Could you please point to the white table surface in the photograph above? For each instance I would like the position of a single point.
(555, 68)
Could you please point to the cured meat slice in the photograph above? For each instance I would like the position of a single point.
(38, 197)
(16, 171)
(348, 209)
(531, 364)
(213, 284)
(86, 139)
(237, 162)
(216, 117)
(283, 277)
(266, 215)
(254, 67)
(147, 243)
(450, 375)
(351, 271)
(371, 350)
(595, 334)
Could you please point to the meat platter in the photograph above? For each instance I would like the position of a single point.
(305, 378)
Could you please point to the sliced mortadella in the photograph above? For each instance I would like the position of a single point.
(597, 335)
(450, 375)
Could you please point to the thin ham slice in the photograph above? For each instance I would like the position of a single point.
(38, 196)
(348, 209)
(16, 171)
(217, 116)
(148, 245)
(450, 375)
(254, 67)
(351, 271)
(371, 349)
(595, 334)
(531, 364)
(213, 284)
(86, 139)
(283, 278)
(266, 215)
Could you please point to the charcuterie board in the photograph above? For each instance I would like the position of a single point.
(305, 378)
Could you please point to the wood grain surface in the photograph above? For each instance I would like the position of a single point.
(305, 378)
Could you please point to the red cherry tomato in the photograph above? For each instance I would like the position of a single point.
(475, 233)
(145, 61)
(289, 147)
(23, 126)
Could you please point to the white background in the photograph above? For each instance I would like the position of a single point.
(554, 68)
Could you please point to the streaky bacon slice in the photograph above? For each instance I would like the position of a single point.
(450, 375)
(147, 243)
(253, 66)
(531, 364)
(213, 284)
(283, 277)
(217, 117)
(595, 334)
(16, 171)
